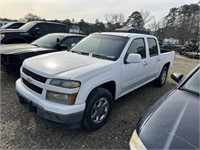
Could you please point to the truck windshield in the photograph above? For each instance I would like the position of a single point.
(193, 84)
(101, 46)
(27, 26)
(48, 41)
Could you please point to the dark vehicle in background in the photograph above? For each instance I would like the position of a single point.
(13, 55)
(30, 32)
(188, 48)
(173, 121)
(12, 25)
(168, 45)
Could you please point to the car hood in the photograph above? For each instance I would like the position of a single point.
(20, 48)
(174, 124)
(54, 64)
(10, 30)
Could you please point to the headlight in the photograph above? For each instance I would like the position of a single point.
(62, 98)
(2, 36)
(65, 83)
(135, 142)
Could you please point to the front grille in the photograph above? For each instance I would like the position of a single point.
(32, 86)
(10, 60)
(34, 76)
(2, 59)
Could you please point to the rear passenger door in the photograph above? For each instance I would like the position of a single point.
(154, 60)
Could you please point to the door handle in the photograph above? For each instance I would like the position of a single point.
(158, 59)
(145, 63)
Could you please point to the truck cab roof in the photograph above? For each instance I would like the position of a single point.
(125, 34)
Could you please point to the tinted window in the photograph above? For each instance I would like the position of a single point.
(71, 40)
(153, 48)
(44, 28)
(58, 28)
(138, 47)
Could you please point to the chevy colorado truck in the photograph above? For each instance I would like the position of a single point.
(77, 88)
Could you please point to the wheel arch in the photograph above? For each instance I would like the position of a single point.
(110, 86)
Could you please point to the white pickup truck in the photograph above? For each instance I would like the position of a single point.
(77, 88)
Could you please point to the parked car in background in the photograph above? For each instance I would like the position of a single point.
(77, 88)
(30, 32)
(168, 45)
(12, 25)
(184, 49)
(173, 121)
(13, 55)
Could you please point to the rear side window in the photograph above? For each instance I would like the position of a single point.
(58, 28)
(138, 47)
(153, 48)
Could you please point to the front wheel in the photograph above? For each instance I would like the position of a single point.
(98, 109)
(160, 81)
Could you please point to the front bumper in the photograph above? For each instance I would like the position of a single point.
(70, 116)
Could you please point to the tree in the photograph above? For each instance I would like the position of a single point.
(114, 21)
(135, 20)
(146, 15)
(98, 26)
(31, 17)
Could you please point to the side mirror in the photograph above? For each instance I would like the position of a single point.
(36, 31)
(177, 77)
(133, 58)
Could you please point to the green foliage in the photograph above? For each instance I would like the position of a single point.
(136, 20)
(182, 23)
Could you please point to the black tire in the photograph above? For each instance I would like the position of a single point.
(96, 97)
(160, 81)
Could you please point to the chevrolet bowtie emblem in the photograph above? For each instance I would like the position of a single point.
(29, 79)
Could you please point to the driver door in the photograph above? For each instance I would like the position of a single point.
(134, 74)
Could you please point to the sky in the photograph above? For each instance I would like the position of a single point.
(89, 10)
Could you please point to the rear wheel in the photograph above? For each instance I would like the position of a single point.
(160, 81)
(98, 109)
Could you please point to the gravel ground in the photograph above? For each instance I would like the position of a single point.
(23, 130)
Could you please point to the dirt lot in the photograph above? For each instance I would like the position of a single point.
(23, 130)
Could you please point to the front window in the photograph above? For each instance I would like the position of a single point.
(27, 26)
(101, 46)
(193, 83)
(138, 47)
(48, 41)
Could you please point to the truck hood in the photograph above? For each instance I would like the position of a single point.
(174, 124)
(20, 48)
(52, 64)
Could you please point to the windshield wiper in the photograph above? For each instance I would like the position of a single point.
(102, 57)
(35, 45)
(81, 53)
(190, 91)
